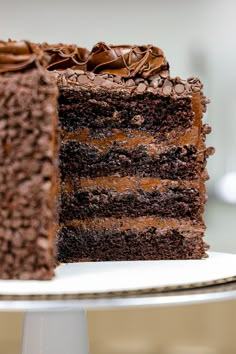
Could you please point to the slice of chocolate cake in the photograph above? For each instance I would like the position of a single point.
(132, 156)
(28, 173)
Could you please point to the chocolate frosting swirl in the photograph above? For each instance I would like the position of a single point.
(20, 56)
(124, 60)
(66, 56)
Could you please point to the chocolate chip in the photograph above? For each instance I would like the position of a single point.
(196, 88)
(82, 79)
(141, 87)
(205, 175)
(9, 258)
(78, 72)
(139, 80)
(91, 76)
(73, 78)
(69, 72)
(98, 80)
(179, 88)
(25, 275)
(210, 150)
(206, 129)
(164, 74)
(137, 120)
(151, 89)
(47, 186)
(30, 234)
(117, 79)
(56, 74)
(16, 223)
(8, 234)
(63, 81)
(156, 82)
(47, 169)
(17, 240)
(167, 88)
(205, 100)
(130, 83)
(42, 242)
(107, 83)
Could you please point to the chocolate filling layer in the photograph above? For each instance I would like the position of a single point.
(141, 223)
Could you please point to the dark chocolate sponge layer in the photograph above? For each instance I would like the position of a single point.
(75, 244)
(27, 174)
(98, 108)
(100, 202)
(178, 162)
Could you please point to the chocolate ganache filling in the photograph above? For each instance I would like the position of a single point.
(123, 60)
(20, 56)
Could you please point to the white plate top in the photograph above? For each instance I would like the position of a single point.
(103, 277)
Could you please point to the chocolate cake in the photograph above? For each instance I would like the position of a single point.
(132, 157)
(28, 173)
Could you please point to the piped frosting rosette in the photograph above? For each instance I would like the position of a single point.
(124, 60)
(20, 56)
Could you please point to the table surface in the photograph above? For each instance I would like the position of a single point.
(125, 284)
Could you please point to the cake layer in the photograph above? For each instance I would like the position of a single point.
(99, 108)
(177, 162)
(117, 197)
(130, 239)
(28, 174)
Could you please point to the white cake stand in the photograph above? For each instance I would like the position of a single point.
(55, 311)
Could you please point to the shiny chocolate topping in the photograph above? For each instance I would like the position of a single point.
(20, 56)
(66, 56)
(126, 60)
(123, 60)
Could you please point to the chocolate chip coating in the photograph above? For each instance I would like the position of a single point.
(27, 170)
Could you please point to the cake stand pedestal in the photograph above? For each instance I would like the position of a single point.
(59, 332)
(55, 311)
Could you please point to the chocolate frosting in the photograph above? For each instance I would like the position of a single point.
(124, 60)
(66, 56)
(20, 56)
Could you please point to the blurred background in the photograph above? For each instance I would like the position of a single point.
(198, 38)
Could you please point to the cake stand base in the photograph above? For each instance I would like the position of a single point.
(57, 332)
